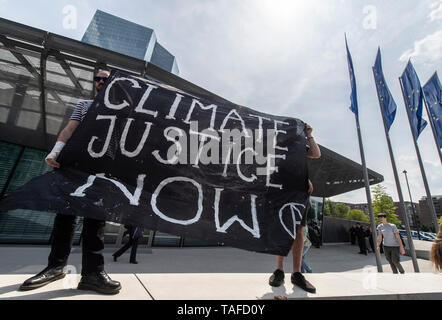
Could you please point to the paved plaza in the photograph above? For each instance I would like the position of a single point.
(220, 273)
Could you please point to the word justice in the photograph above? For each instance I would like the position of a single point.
(205, 146)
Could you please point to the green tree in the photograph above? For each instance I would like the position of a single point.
(440, 220)
(357, 215)
(334, 209)
(328, 207)
(383, 203)
(342, 210)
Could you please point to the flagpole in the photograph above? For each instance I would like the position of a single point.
(398, 186)
(368, 194)
(424, 177)
(354, 109)
(432, 127)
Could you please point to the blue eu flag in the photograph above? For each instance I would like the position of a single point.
(353, 96)
(413, 96)
(386, 100)
(433, 95)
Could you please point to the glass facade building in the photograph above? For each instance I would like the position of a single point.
(128, 38)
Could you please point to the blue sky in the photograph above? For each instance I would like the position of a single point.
(287, 57)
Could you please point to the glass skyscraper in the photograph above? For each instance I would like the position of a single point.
(128, 38)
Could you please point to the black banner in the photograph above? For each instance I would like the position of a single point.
(148, 154)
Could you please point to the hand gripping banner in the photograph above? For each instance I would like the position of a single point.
(151, 155)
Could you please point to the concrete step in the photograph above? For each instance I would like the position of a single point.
(237, 286)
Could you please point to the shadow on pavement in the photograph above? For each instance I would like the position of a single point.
(29, 295)
(329, 258)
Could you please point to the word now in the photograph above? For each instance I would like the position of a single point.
(134, 199)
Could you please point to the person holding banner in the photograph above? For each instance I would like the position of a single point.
(93, 275)
(297, 278)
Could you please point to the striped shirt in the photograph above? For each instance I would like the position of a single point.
(80, 110)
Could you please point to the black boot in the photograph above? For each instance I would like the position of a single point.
(48, 275)
(299, 280)
(277, 278)
(99, 282)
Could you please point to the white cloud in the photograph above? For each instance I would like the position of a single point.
(436, 14)
(426, 50)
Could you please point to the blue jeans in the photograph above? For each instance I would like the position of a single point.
(305, 268)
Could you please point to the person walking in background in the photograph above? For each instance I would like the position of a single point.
(353, 235)
(365, 230)
(392, 243)
(360, 235)
(317, 235)
(305, 268)
(436, 251)
(313, 235)
(135, 234)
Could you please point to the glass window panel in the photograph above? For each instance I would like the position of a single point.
(15, 66)
(315, 220)
(53, 124)
(20, 98)
(28, 120)
(87, 85)
(315, 212)
(54, 107)
(189, 242)
(32, 57)
(165, 240)
(31, 99)
(61, 99)
(4, 113)
(8, 156)
(82, 72)
(31, 165)
(111, 232)
(143, 240)
(7, 90)
(55, 73)
(25, 226)
(6, 56)
(71, 100)
(34, 60)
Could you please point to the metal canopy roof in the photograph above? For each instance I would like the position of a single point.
(43, 75)
(333, 174)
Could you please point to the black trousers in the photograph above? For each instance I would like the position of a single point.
(352, 239)
(133, 242)
(370, 239)
(92, 243)
(362, 245)
(392, 254)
